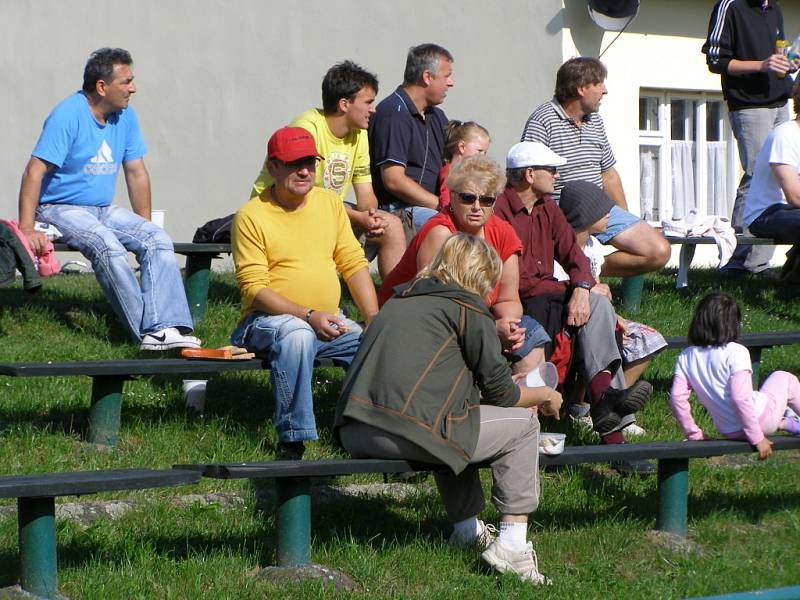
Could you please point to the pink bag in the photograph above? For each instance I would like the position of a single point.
(47, 264)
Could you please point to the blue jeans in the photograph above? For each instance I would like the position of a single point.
(780, 222)
(751, 126)
(104, 235)
(290, 346)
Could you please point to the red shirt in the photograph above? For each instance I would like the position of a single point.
(546, 235)
(498, 234)
(444, 192)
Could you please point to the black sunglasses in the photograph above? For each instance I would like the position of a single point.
(467, 198)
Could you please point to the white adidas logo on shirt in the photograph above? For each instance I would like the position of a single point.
(102, 163)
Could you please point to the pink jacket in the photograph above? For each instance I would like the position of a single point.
(46, 264)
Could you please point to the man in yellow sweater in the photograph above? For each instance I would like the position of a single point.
(288, 243)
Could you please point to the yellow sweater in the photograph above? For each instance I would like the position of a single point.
(295, 253)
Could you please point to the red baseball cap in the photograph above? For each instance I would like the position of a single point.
(289, 144)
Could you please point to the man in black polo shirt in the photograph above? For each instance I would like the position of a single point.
(406, 136)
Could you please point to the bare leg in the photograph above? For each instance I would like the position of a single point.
(641, 249)
(529, 362)
(634, 370)
(392, 244)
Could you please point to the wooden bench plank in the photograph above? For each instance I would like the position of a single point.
(128, 367)
(572, 455)
(90, 482)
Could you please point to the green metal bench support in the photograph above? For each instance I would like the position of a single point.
(196, 283)
(37, 546)
(673, 495)
(36, 513)
(294, 521)
(631, 293)
(105, 410)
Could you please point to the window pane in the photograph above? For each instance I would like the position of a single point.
(714, 121)
(648, 113)
(649, 184)
(683, 125)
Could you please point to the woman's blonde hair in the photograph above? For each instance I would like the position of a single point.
(468, 261)
(479, 172)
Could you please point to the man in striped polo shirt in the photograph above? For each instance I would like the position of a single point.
(570, 125)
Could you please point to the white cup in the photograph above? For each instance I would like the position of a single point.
(157, 217)
(546, 374)
(194, 394)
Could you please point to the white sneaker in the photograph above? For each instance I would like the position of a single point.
(168, 338)
(633, 430)
(487, 535)
(524, 564)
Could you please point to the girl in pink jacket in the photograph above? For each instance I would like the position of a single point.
(719, 371)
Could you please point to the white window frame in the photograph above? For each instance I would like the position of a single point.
(663, 136)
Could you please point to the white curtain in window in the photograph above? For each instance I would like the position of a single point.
(717, 197)
(681, 153)
(648, 170)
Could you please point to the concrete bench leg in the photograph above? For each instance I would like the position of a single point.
(684, 264)
(632, 292)
(37, 546)
(673, 495)
(105, 411)
(294, 521)
(198, 268)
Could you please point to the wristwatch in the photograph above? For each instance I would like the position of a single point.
(582, 284)
(308, 315)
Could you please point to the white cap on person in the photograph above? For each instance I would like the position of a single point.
(532, 154)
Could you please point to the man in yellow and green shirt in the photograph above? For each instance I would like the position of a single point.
(339, 129)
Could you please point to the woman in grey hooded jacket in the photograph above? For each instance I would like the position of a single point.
(430, 384)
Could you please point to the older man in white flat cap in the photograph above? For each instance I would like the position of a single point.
(567, 306)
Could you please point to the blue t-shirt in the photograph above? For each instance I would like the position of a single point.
(87, 155)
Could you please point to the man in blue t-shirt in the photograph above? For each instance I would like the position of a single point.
(69, 182)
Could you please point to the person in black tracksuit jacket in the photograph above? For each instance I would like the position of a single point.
(741, 48)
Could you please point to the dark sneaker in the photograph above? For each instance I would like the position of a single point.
(628, 401)
(604, 419)
(634, 467)
(291, 450)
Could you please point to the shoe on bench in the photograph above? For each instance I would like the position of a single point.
(168, 338)
(630, 400)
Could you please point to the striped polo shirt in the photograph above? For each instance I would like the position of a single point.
(586, 148)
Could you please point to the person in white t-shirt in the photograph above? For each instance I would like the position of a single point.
(772, 207)
(718, 370)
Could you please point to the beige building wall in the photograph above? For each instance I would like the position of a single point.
(659, 50)
(216, 77)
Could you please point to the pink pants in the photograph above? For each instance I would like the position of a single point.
(781, 389)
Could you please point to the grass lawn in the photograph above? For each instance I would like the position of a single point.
(591, 530)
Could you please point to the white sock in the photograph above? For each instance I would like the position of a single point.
(468, 529)
(514, 535)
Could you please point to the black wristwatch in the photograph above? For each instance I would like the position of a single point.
(582, 284)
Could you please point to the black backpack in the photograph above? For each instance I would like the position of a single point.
(216, 231)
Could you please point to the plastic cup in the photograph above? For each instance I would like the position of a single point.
(194, 394)
(157, 217)
(545, 374)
